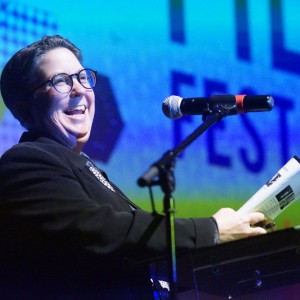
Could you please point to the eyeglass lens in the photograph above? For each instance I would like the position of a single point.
(63, 83)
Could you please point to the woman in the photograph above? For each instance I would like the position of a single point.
(61, 217)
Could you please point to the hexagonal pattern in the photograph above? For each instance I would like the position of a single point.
(107, 124)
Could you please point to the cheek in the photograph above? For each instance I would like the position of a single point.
(40, 110)
(44, 109)
(91, 100)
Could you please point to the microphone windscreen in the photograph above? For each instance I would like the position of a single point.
(171, 107)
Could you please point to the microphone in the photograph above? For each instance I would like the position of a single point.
(174, 107)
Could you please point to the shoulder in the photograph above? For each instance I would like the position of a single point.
(40, 151)
(33, 149)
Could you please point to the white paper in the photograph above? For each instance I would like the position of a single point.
(278, 193)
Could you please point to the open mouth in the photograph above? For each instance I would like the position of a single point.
(78, 110)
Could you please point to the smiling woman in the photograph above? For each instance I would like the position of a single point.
(57, 101)
(66, 228)
(65, 94)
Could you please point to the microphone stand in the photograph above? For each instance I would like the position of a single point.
(166, 180)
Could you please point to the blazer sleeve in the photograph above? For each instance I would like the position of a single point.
(44, 204)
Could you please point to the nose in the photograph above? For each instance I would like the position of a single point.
(77, 88)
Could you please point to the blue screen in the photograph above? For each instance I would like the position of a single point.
(147, 51)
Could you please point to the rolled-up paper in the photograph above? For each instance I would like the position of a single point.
(278, 193)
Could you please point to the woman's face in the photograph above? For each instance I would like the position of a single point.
(66, 117)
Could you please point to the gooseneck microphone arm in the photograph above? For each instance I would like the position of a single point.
(163, 169)
(149, 178)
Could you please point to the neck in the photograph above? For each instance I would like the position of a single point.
(78, 148)
(68, 141)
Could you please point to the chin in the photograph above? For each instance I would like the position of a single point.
(83, 138)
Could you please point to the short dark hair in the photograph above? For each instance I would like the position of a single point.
(18, 75)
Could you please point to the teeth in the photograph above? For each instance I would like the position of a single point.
(80, 107)
(76, 110)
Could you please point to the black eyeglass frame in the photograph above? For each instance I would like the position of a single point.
(72, 83)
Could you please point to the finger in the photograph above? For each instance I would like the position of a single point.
(255, 217)
(257, 231)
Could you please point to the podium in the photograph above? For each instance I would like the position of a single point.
(251, 268)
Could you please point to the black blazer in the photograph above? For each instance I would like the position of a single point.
(60, 215)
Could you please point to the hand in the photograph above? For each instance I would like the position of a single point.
(233, 226)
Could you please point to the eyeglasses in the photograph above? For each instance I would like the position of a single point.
(63, 83)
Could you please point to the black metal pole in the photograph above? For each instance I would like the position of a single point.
(167, 183)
